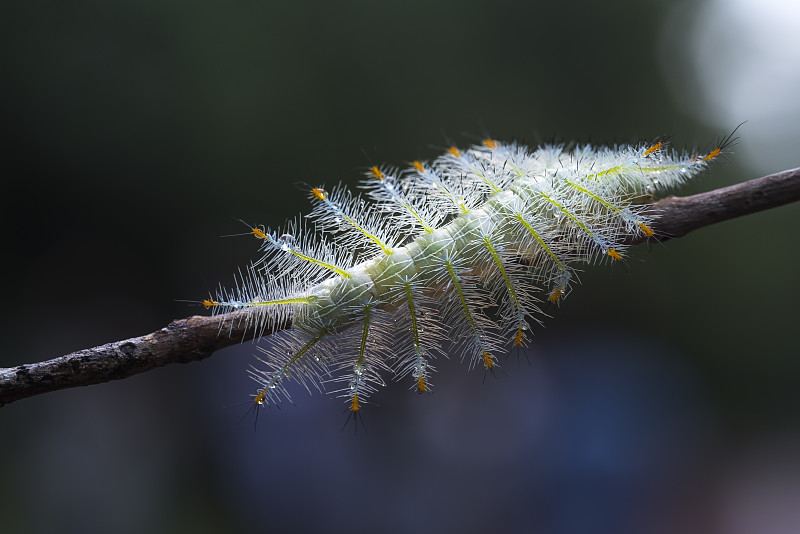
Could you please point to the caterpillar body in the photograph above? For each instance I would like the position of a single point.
(454, 256)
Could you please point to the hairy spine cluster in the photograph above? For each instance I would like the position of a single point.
(457, 254)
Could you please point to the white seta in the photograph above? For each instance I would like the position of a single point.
(457, 254)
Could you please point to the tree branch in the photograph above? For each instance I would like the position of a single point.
(677, 216)
(196, 338)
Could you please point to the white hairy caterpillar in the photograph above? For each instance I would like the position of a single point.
(460, 251)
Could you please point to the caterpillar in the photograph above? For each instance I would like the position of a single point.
(454, 256)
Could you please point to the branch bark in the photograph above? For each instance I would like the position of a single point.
(196, 338)
(677, 216)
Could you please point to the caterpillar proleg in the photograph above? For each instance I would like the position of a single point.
(456, 256)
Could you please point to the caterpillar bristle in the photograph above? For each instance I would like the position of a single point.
(302, 354)
(299, 253)
(354, 224)
(464, 302)
(457, 256)
(263, 303)
(370, 344)
(418, 332)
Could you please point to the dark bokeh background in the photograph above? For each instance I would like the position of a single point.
(660, 398)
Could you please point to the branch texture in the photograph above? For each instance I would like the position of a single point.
(182, 341)
(196, 338)
(677, 216)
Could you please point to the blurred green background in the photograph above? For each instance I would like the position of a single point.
(660, 398)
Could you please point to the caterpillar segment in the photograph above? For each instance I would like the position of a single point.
(449, 257)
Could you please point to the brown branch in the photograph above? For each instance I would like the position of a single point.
(196, 338)
(182, 341)
(677, 216)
